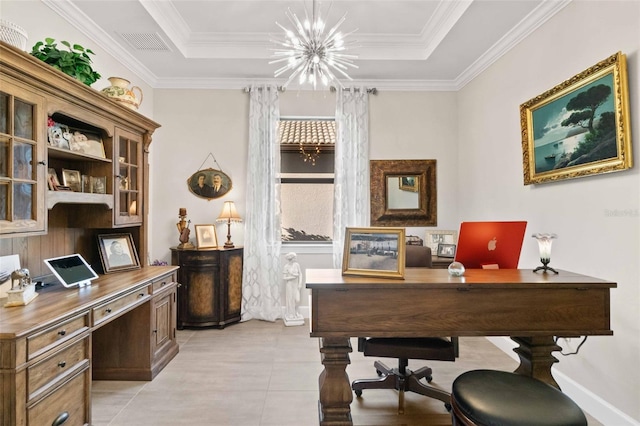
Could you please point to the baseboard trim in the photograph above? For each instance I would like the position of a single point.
(599, 409)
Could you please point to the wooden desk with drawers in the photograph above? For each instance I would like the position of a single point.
(530, 308)
(122, 327)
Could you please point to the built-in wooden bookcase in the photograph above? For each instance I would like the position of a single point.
(37, 222)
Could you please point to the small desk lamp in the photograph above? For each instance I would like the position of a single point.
(544, 244)
(229, 214)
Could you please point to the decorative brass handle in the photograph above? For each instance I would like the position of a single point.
(62, 364)
(61, 419)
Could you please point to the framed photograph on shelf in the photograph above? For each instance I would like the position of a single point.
(446, 250)
(72, 179)
(375, 252)
(58, 135)
(580, 127)
(86, 142)
(98, 184)
(53, 181)
(117, 253)
(206, 236)
(439, 236)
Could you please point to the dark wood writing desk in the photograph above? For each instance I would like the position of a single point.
(530, 308)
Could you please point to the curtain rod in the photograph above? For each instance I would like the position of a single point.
(371, 90)
(249, 88)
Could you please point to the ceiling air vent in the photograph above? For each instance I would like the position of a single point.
(146, 41)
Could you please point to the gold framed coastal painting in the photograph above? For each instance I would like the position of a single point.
(375, 252)
(580, 127)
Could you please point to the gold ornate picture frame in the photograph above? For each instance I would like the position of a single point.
(375, 252)
(580, 127)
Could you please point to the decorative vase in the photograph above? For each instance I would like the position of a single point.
(119, 91)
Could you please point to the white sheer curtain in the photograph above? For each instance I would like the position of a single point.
(351, 181)
(261, 272)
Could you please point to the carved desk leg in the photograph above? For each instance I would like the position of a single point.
(535, 357)
(335, 388)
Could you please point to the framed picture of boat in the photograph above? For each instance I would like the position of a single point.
(580, 127)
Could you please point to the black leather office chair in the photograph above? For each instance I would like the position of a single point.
(427, 348)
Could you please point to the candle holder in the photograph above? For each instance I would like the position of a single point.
(183, 229)
(544, 245)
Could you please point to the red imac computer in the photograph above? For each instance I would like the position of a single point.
(490, 245)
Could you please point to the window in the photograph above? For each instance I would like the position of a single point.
(307, 161)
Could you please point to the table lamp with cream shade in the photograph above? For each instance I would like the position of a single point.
(229, 214)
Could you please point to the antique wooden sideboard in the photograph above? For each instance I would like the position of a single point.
(210, 292)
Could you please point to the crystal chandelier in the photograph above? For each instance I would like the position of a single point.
(310, 53)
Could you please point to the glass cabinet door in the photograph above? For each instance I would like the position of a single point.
(22, 178)
(128, 183)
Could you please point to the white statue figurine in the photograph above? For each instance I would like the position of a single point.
(292, 276)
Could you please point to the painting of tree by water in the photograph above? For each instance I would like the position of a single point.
(580, 127)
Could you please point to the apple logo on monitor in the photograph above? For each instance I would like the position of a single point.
(492, 244)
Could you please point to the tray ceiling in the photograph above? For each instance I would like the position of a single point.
(402, 44)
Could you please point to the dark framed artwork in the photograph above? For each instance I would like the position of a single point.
(209, 183)
(375, 252)
(580, 127)
(117, 252)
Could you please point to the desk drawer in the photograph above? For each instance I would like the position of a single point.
(54, 368)
(161, 283)
(56, 334)
(70, 401)
(111, 309)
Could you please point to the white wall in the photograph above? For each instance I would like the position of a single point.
(591, 241)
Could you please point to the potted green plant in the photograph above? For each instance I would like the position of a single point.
(75, 61)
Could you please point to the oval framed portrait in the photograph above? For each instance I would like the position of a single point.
(209, 183)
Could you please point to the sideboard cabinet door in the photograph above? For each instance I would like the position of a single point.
(210, 292)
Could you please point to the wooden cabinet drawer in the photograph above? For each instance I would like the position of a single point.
(111, 309)
(55, 367)
(57, 334)
(162, 282)
(71, 401)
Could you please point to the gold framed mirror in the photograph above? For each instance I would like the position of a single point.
(403, 193)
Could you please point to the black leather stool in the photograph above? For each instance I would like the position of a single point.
(489, 397)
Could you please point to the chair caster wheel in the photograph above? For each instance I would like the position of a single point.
(447, 406)
(358, 392)
(379, 373)
(429, 379)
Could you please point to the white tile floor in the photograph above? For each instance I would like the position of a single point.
(265, 374)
